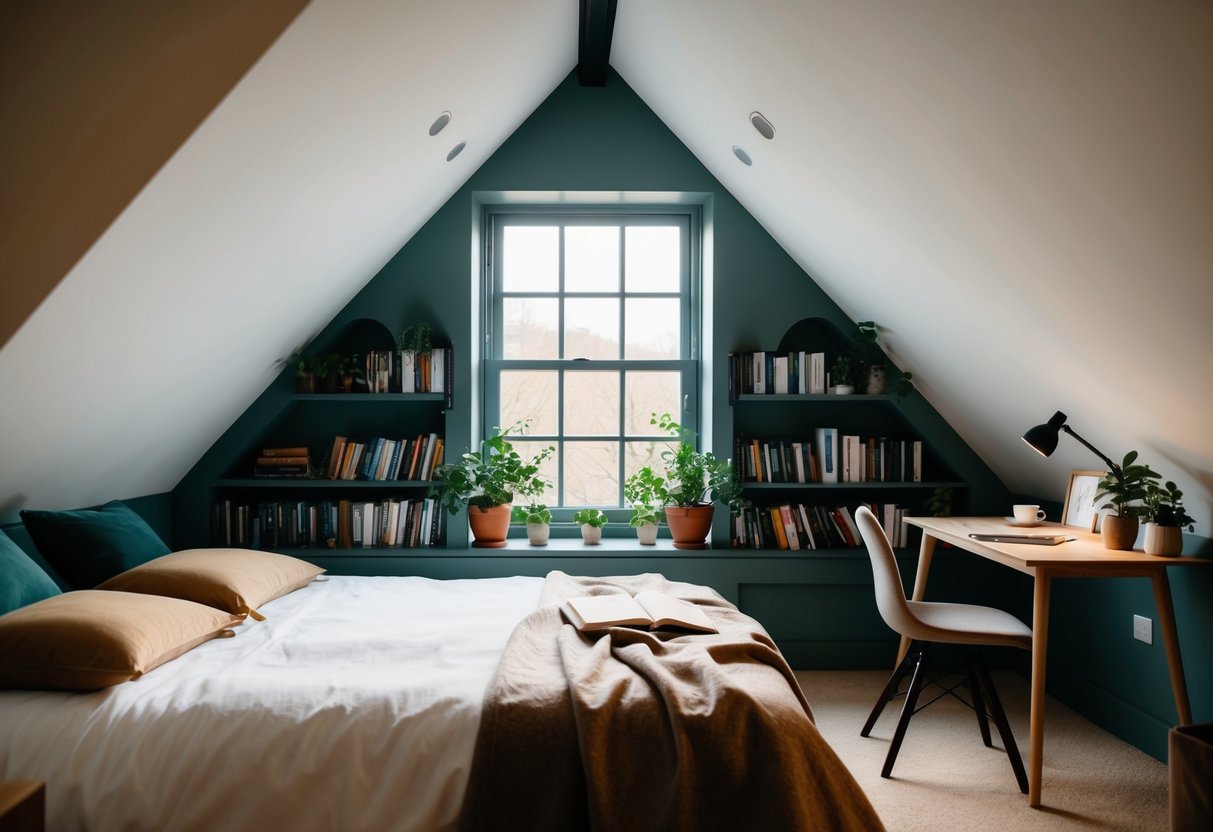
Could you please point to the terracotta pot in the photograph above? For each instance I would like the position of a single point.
(591, 535)
(689, 525)
(489, 525)
(537, 533)
(647, 534)
(1119, 533)
(331, 383)
(305, 383)
(1163, 540)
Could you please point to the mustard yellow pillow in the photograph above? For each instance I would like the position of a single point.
(89, 639)
(235, 580)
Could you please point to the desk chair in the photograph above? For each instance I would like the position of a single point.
(926, 623)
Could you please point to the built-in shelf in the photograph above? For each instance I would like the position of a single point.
(320, 485)
(845, 486)
(785, 398)
(364, 398)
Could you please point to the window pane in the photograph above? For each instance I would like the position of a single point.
(591, 474)
(653, 327)
(640, 454)
(591, 258)
(654, 259)
(529, 394)
(529, 328)
(531, 258)
(591, 328)
(647, 393)
(591, 403)
(528, 451)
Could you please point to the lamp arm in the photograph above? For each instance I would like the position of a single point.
(1112, 466)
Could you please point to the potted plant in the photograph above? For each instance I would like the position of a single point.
(645, 492)
(414, 340)
(1127, 485)
(591, 521)
(693, 481)
(842, 373)
(352, 373)
(485, 481)
(305, 378)
(882, 375)
(327, 369)
(538, 520)
(1166, 518)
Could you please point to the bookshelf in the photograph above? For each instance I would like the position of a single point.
(381, 497)
(768, 425)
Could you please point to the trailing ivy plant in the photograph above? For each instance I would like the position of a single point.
(868, 353)
(492, 475)
(694, 478)
(416, 338)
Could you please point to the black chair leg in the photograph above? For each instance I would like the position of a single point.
(979, 705)
(890, 690)
(907, 711)
(1004, 728)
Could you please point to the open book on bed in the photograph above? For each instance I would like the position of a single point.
(650, 610)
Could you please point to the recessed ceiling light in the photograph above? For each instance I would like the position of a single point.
(440, 122)
(764, 127)
(456, 150)
(743, 156)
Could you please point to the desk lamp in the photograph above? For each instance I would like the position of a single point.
(1043, 439)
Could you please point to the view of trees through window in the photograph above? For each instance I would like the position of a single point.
(589, 338)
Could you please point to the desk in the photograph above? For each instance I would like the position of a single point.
(1085, 556)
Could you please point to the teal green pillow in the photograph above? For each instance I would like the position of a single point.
(90, 546)
(22, 582)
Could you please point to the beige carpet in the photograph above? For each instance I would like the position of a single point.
(945, 779)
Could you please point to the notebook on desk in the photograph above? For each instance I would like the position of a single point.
(1037, 539)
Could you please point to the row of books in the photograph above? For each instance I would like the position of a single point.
(827, 457)
(282, 463)
(385, 459)
(776, 373)
(426, 372)
(391, 523)
(800, 526)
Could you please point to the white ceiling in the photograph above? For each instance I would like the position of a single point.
(1022, 193)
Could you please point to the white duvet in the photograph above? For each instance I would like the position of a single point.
(354, 705)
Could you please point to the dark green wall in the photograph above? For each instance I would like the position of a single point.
(607, 140)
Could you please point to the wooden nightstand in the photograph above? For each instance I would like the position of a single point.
(22, 806)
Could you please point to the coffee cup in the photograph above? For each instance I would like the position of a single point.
(1028, 515)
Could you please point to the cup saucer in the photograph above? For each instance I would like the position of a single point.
(1015, 522)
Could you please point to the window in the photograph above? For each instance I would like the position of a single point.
(591, 328)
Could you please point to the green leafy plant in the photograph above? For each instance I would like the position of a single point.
(593, 517)
(304, 364)
(694, 477)
(492, 475)
(842, 371)
(1164, 505)
(646, 494)
(939, 503)
(531, 513)
(868, 353)
(1127, 485)
(416, 338)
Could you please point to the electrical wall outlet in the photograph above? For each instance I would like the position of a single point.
(1143, 629)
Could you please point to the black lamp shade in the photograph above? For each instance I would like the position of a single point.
(1043, 438)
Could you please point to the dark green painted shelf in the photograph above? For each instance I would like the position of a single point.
(785, 398)
(363, 398)
(320, 485)
(846, 486)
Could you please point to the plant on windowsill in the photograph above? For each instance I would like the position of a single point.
(1165, 518)
(538, 521)
(871, 363)
(591, 521)
(485, 482)
(645, 493)
(693, 481)
(1127, 485)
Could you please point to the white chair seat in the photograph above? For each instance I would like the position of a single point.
(966, 624)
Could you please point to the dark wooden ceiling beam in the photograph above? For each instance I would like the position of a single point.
(596, 25)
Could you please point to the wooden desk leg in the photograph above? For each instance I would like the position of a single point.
(1040, 647)
(920, 585)
(1166, 620)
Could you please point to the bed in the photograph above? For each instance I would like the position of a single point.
(358, 704)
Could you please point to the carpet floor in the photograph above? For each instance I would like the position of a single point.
(945, 779)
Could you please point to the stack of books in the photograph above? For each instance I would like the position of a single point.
(282, 463)
(800, 526)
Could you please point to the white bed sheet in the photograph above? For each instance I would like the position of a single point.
(354, 705)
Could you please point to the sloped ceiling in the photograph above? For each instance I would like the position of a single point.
(1021, 193)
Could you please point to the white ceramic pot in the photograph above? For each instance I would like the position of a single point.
(1163, 540)
(842, 390)
(647, 534)
(537, 533)
(591, 535)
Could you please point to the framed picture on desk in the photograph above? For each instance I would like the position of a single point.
(1079, 509)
